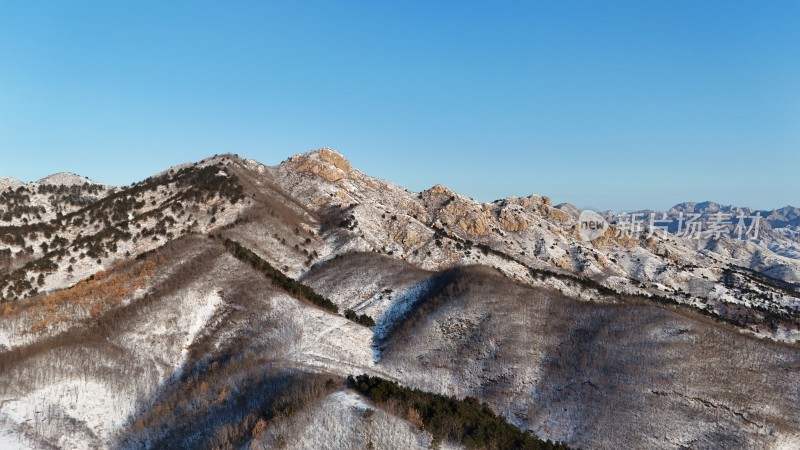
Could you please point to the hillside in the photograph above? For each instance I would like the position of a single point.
(224, 303)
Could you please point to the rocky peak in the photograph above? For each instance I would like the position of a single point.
(325, 163)
(706, 207)
(532, 202)
(455, 209)
(440, 190)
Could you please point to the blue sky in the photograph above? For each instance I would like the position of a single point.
(609, 104)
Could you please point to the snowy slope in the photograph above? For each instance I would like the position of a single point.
(502, 301)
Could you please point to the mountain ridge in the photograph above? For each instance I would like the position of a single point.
(323, 161)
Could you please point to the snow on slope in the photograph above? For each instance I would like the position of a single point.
(11, 440)
(101, 409)
(345, 421)
(524, 233)
(9, 183)
(401, 305)
(194, 323)
(397, 224)
(41, 200)
(65, 179)
(326, 342)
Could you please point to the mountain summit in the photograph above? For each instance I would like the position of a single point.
(65, 179)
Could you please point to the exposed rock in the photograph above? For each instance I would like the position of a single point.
(557, 215)
(469, 217)
(407, 236)
(324, 163)
(564, 263)
(512, 218)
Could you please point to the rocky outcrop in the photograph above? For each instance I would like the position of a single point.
(325, 163)
(512, 218)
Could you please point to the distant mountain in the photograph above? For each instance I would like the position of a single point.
(788, 216)
(778, 229)
(229, 304)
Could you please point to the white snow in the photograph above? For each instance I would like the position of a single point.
(11, 441)
(65, 179)
(345, 421)
(8, 182)
(400, 307)
(325, 341)
(101, 408)
(202, 314)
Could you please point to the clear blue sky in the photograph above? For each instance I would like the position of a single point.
(610, 104)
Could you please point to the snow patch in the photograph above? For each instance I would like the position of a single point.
(344, 420)
(202, 315)
(401, 306)
(102, 409)
(7, 182)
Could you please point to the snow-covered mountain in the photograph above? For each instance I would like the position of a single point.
(223, 304)
(779, 228)
(42, 201)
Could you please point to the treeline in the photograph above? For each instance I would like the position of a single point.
(792, 289)
(277, 277)
(361, 319)
(62, 189)
(16, 284)
(16, 203)
(203, 184)
(467, 422)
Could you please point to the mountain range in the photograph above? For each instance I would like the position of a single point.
(229, 304)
